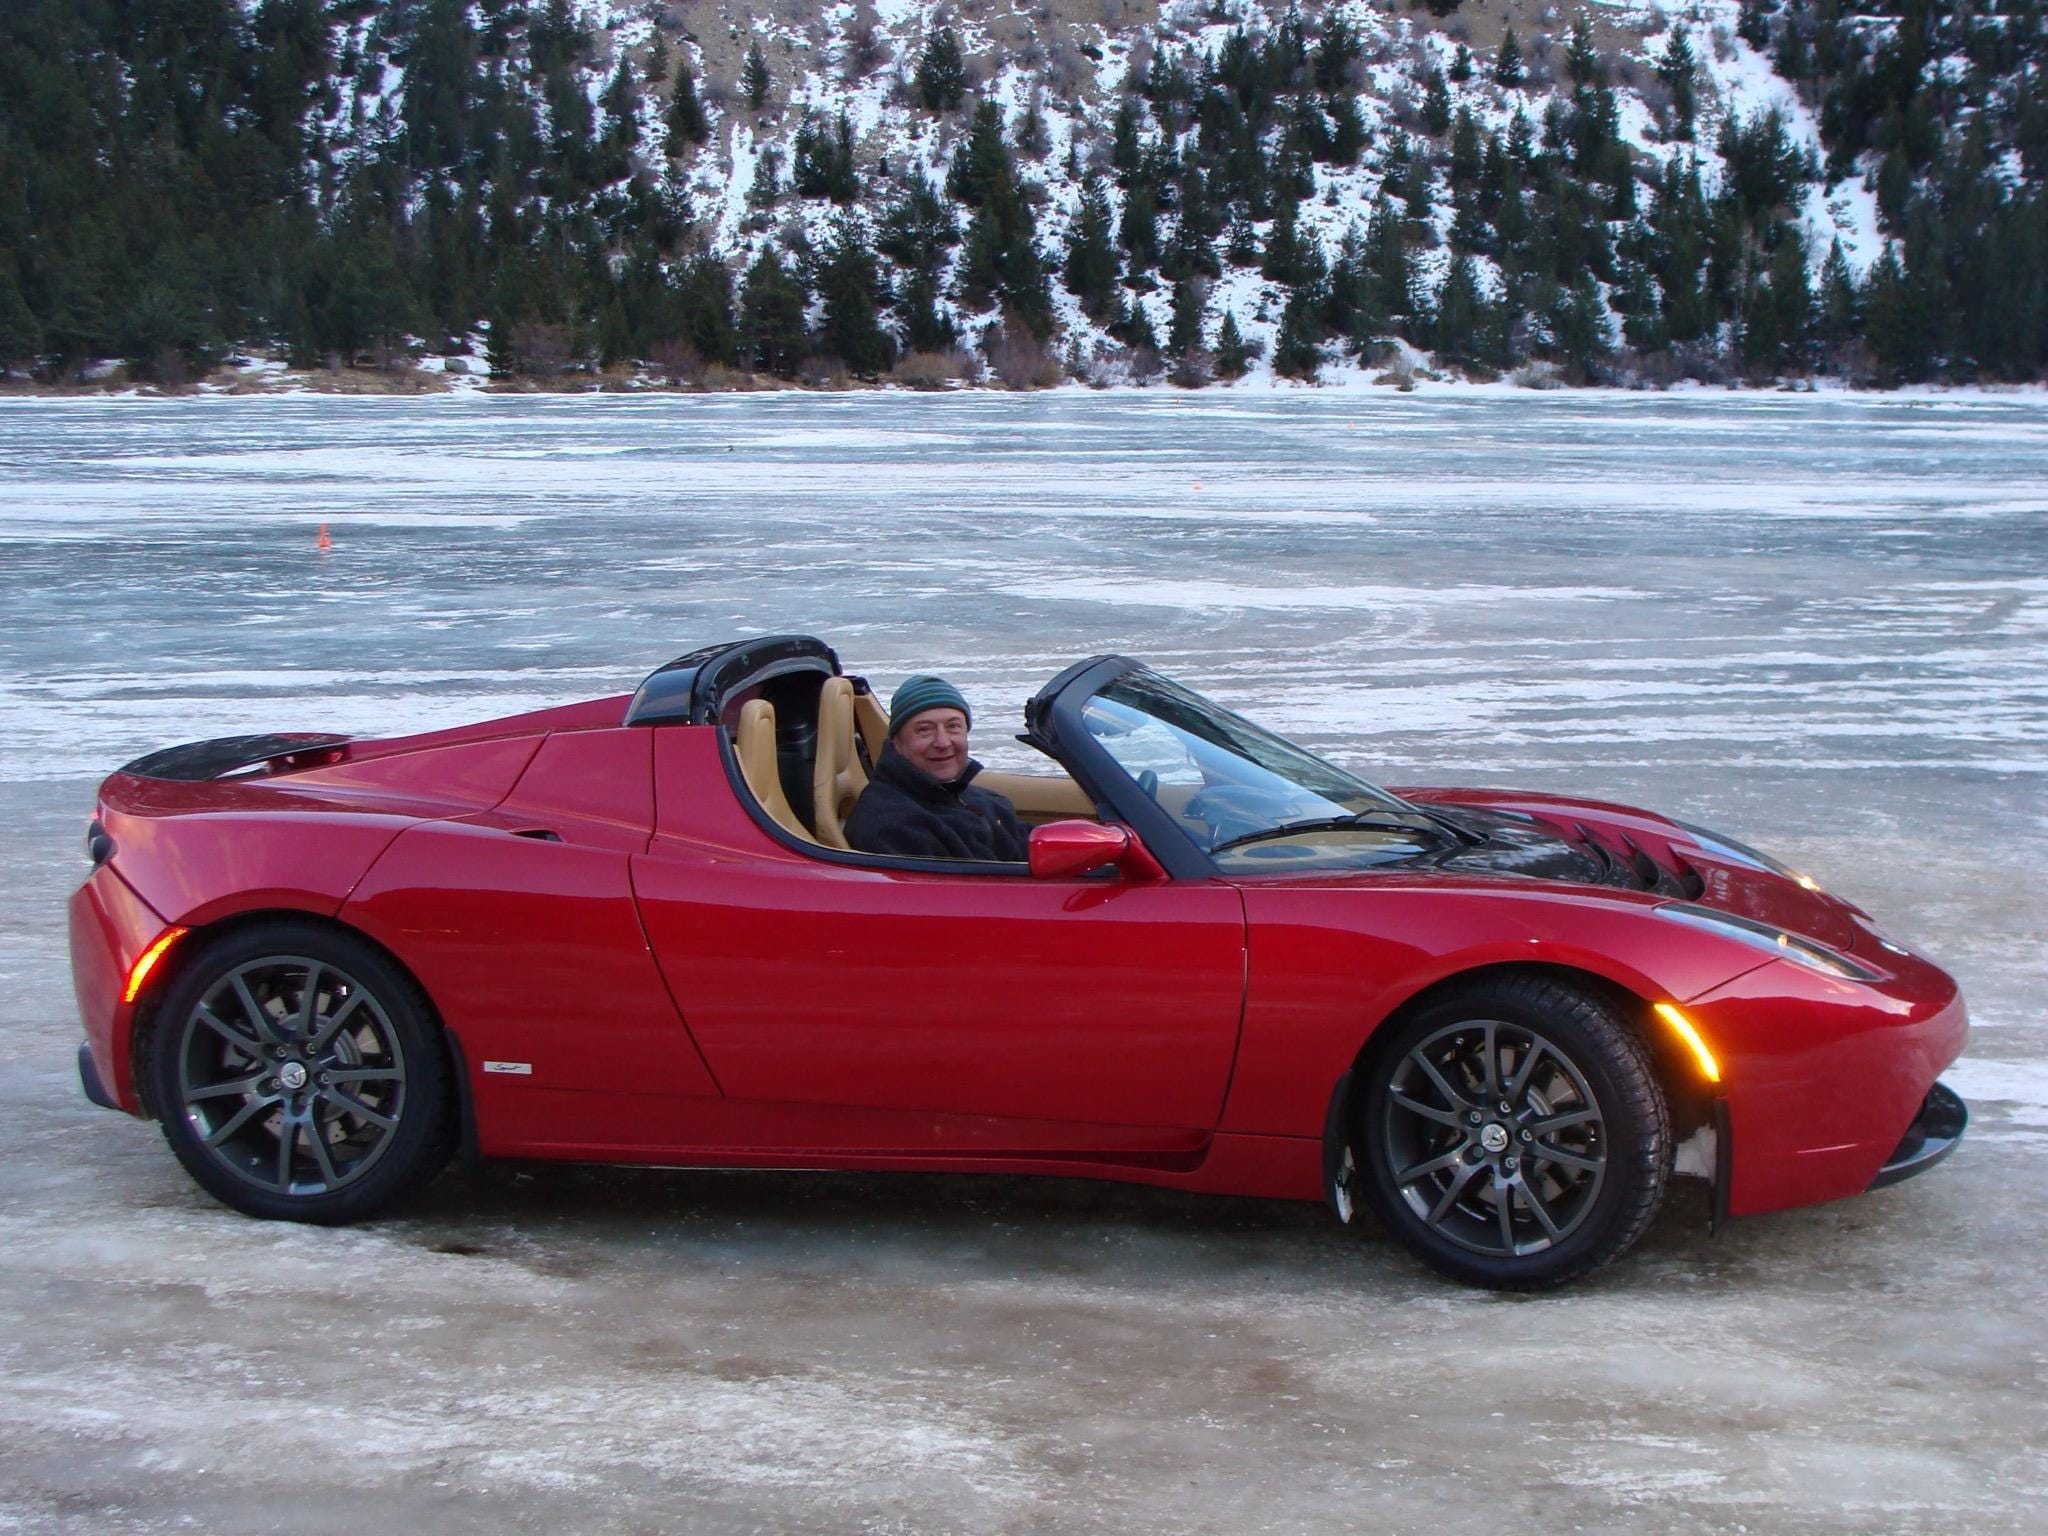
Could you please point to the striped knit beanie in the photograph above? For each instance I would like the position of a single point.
(921, 693)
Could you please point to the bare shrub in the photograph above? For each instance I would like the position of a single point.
(1194, 369)
(543, 350)
(1065, 69)
(1017, 358)
(867, 50)
(678, 363)
(928, 370)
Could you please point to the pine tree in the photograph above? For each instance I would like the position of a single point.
(1347, 130)
(1034, 140)
(1461, 65)
(1678, 68)
(926, 326)
(754, 77)
(1460, 314)
(1387, 252)
(851, 285)
(1001, 262)
(1233, 357)
(1135, 330)
(1352, 310)
(1126, 148)
(1579, 326)
(919, 227)
(1581, 58)
(1436, 103)
(766, 186)
(772, 333)
(686, 124)
(1465, 153)
(621, 103)
(1508, 69)
(941, 72)
(1138, 231)
(982, 160)
(1192, 251)
(21, 336)
(843, 184)
(1295, 353)
(1190, 310)
(1092, 267)
(1837, 319)
(1337, 53)
(1283, 261)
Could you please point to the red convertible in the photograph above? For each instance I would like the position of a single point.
(631, 931)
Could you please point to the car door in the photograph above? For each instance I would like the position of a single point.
(974, 1007)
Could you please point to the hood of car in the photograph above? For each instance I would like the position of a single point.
(1593, 843)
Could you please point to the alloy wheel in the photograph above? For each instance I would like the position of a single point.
(291, 1076)
(1494, 1138)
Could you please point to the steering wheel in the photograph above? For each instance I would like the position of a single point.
(1231, 810)
(1148, 781)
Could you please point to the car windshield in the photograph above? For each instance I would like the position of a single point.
(1229, 781)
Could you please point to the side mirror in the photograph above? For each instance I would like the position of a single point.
(1061, 850)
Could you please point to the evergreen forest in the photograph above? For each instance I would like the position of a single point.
(589, 191)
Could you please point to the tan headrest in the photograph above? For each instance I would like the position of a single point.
(754, 744)
(838, 778)
(874, 724)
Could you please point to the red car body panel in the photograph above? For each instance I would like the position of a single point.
(984, 998)
(1823, 1076)
(111, 926)
(1333, 957)
(636, 968)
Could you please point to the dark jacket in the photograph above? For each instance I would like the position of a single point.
(907, 811)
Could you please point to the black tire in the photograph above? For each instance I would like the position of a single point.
(1514, 1134)
(300, 1076)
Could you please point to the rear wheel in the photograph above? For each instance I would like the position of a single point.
(1514, 1134)
(298, 1074)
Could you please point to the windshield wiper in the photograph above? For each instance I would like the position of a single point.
(1363, 821)
(1452, 825)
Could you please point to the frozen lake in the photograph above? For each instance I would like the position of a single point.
(1819, 623)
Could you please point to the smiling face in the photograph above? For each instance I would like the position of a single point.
(936, 741)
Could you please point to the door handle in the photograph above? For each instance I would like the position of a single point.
(538, 834)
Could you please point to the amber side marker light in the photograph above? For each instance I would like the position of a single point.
(138, 973)
(1709, 1067)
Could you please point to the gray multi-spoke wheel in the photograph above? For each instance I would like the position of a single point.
(298, 1073)
(1514, 1134)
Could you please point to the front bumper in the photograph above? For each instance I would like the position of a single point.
(1930, 1138)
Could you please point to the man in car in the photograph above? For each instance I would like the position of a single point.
(922, 802)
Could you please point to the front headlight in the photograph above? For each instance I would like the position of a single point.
(1769, 940)
(1728, 849)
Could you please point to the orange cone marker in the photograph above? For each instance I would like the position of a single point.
(325, 543)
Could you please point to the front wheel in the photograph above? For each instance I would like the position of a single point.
(1514, 1134)
(300, 1075)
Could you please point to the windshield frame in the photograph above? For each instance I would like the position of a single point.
(1057, 723)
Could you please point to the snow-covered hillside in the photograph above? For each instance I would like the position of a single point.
(710, 190)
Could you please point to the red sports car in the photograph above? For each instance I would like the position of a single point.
(631, 930)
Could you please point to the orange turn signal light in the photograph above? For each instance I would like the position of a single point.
(138, 973)
(1683, 1028)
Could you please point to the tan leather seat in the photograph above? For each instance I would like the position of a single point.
(838, 777)
(754, 744)
(873, 721)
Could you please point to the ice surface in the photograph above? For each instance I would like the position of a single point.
(1818, 623)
